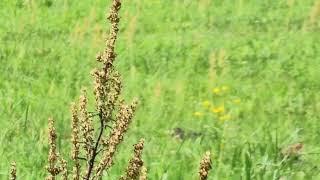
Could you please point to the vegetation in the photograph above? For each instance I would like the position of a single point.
(237, 78)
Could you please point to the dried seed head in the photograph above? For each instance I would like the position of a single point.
(63, 169)
(13, 171)
(135, 164)
(75, 132)
(124, 118)
(75, 141)
(86, 124)
(107, 82)
(205, 166)
(107, 88)
(99, 57)
(109, 53)
(99, 88)
(53, 155)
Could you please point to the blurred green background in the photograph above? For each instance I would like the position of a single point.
(239, 78)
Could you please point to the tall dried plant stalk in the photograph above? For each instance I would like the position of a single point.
(124, 118)
(64, 170)
(134, 168)
(56, 164)
(205, 166)
(75, 139)
(93, 144)
(53, 154)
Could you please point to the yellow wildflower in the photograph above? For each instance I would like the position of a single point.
(225, 88)
(225, 117)
(216, 90)
(198, 114)
(219, 109)
(237, 101)
(206, 103)
(215, 110)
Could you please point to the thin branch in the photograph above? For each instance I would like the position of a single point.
(82, 158)
(94, 153)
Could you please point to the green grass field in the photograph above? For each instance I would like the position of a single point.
(239, 78)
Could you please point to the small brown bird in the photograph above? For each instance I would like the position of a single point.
(182, 134)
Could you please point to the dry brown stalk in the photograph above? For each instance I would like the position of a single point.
(134, 168)
(13, 171)
(86, 125)
(107, 89)
(107, 80)
(205, 166)
(63, 169)
(53, 155)
(75, 142)
(124, 118)
(56, 164)
(93, 149)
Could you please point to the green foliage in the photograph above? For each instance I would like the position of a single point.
(271, 63)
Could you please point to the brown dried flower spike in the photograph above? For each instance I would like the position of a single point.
(205, 166)
(92, 142)
(75, 142)
(13, 171)
(124, 118)
(96, 134)
(53, 155)
(136, 163)
(56, 164)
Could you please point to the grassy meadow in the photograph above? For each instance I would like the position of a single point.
(239, 78)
